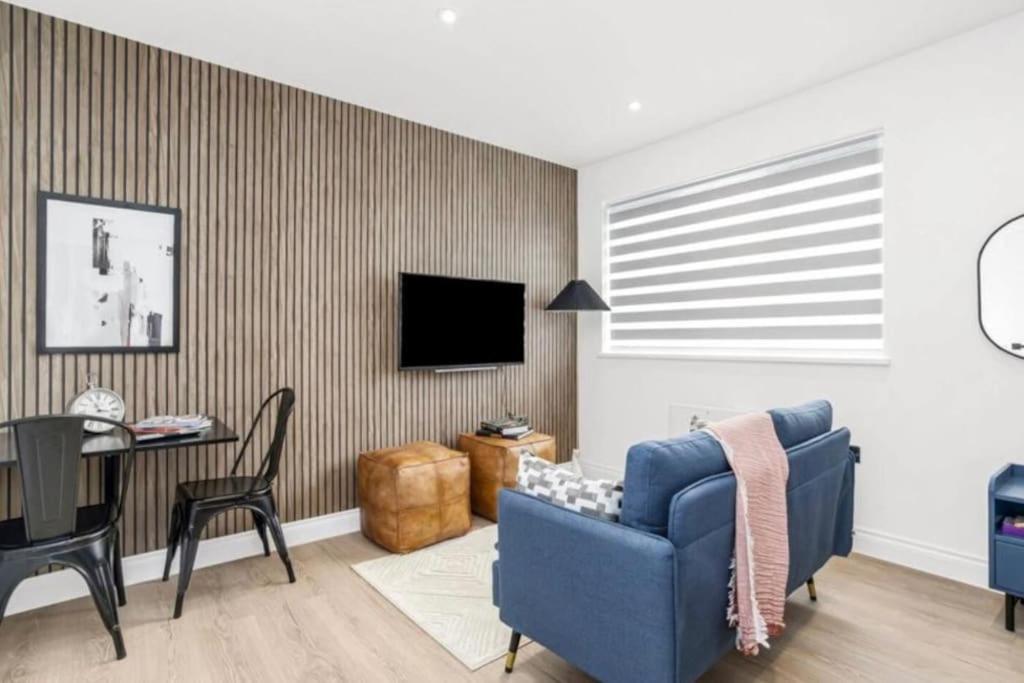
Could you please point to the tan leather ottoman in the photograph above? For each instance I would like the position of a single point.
(494, 463)
(413, 495)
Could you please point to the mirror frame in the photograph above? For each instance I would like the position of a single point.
(981, 323)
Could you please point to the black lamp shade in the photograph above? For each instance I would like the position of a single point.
(577, 296)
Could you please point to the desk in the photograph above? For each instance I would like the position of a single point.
(108, 445)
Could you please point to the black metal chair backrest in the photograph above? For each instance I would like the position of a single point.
(49, 453)
(285, 398)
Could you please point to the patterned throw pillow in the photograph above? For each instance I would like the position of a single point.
(593, 497)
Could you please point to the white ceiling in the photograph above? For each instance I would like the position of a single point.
(551, 78)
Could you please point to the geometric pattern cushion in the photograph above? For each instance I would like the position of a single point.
(592, 497)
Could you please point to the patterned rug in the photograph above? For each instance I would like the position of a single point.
(446, 590)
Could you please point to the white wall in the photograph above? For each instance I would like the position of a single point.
(949, 408)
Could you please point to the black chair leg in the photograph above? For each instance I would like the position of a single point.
(115, 626)
(118, 567)
(272, 521)
(191, 522)
(811, 590)
(261, 529)
(513, 647)
(173, 537)
(100, 579)
(189, 547)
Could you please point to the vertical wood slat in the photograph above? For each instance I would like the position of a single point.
(298, 212)
(6, 226)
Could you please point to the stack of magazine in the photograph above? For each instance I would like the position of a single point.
(510, 427)
(164, 426)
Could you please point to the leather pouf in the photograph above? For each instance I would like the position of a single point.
(414, 495)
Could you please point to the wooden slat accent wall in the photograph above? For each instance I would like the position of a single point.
(298, 213)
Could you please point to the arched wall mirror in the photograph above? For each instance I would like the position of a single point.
(1001, 287)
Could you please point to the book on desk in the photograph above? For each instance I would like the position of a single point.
(170, 426)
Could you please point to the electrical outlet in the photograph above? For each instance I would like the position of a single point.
(683, 417)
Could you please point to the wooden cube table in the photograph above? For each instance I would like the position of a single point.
(494, 463)
(413, 495)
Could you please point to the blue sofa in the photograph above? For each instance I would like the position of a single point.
(645, 599)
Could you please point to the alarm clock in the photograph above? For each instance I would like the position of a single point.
(99, 402)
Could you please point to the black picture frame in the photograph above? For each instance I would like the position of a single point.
(42, 347)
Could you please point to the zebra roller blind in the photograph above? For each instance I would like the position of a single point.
(780, 259)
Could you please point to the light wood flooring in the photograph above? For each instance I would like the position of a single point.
(243, 621)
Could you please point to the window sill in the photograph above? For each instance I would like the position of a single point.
(804, 358)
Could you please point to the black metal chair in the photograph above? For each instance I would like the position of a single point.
(197, 502)
(53, 529)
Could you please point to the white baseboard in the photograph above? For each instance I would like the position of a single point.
(49, 589)
(950, 564)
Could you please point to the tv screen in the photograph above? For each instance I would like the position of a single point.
(447, 322)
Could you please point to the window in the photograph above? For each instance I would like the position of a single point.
(782, 259)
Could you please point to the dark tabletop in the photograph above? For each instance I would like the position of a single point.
(103, 445)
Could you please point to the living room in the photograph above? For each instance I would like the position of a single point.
(486, 341)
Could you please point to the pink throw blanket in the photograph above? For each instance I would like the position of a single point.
(757, 590)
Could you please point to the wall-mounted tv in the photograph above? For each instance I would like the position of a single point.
(448, 323)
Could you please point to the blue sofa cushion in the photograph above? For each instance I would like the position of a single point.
(657, 470)
(802, 423)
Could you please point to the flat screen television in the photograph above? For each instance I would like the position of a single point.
(456, 323)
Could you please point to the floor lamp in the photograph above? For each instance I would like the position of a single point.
(577, 296)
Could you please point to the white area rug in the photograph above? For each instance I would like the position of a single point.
(446, 590)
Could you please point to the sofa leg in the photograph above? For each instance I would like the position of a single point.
(811, 591)
(513, 645)
(1011, 603)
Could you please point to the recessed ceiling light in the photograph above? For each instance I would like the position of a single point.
(447, 16)
(635, 106)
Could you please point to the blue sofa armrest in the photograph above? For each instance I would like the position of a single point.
(702, 529)
(599, 594)
(819, 496)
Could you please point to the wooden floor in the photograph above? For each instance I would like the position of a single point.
(243, 621)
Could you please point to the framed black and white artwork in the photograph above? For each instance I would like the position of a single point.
(107, 276)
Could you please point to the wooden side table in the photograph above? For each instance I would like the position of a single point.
(493, 464)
